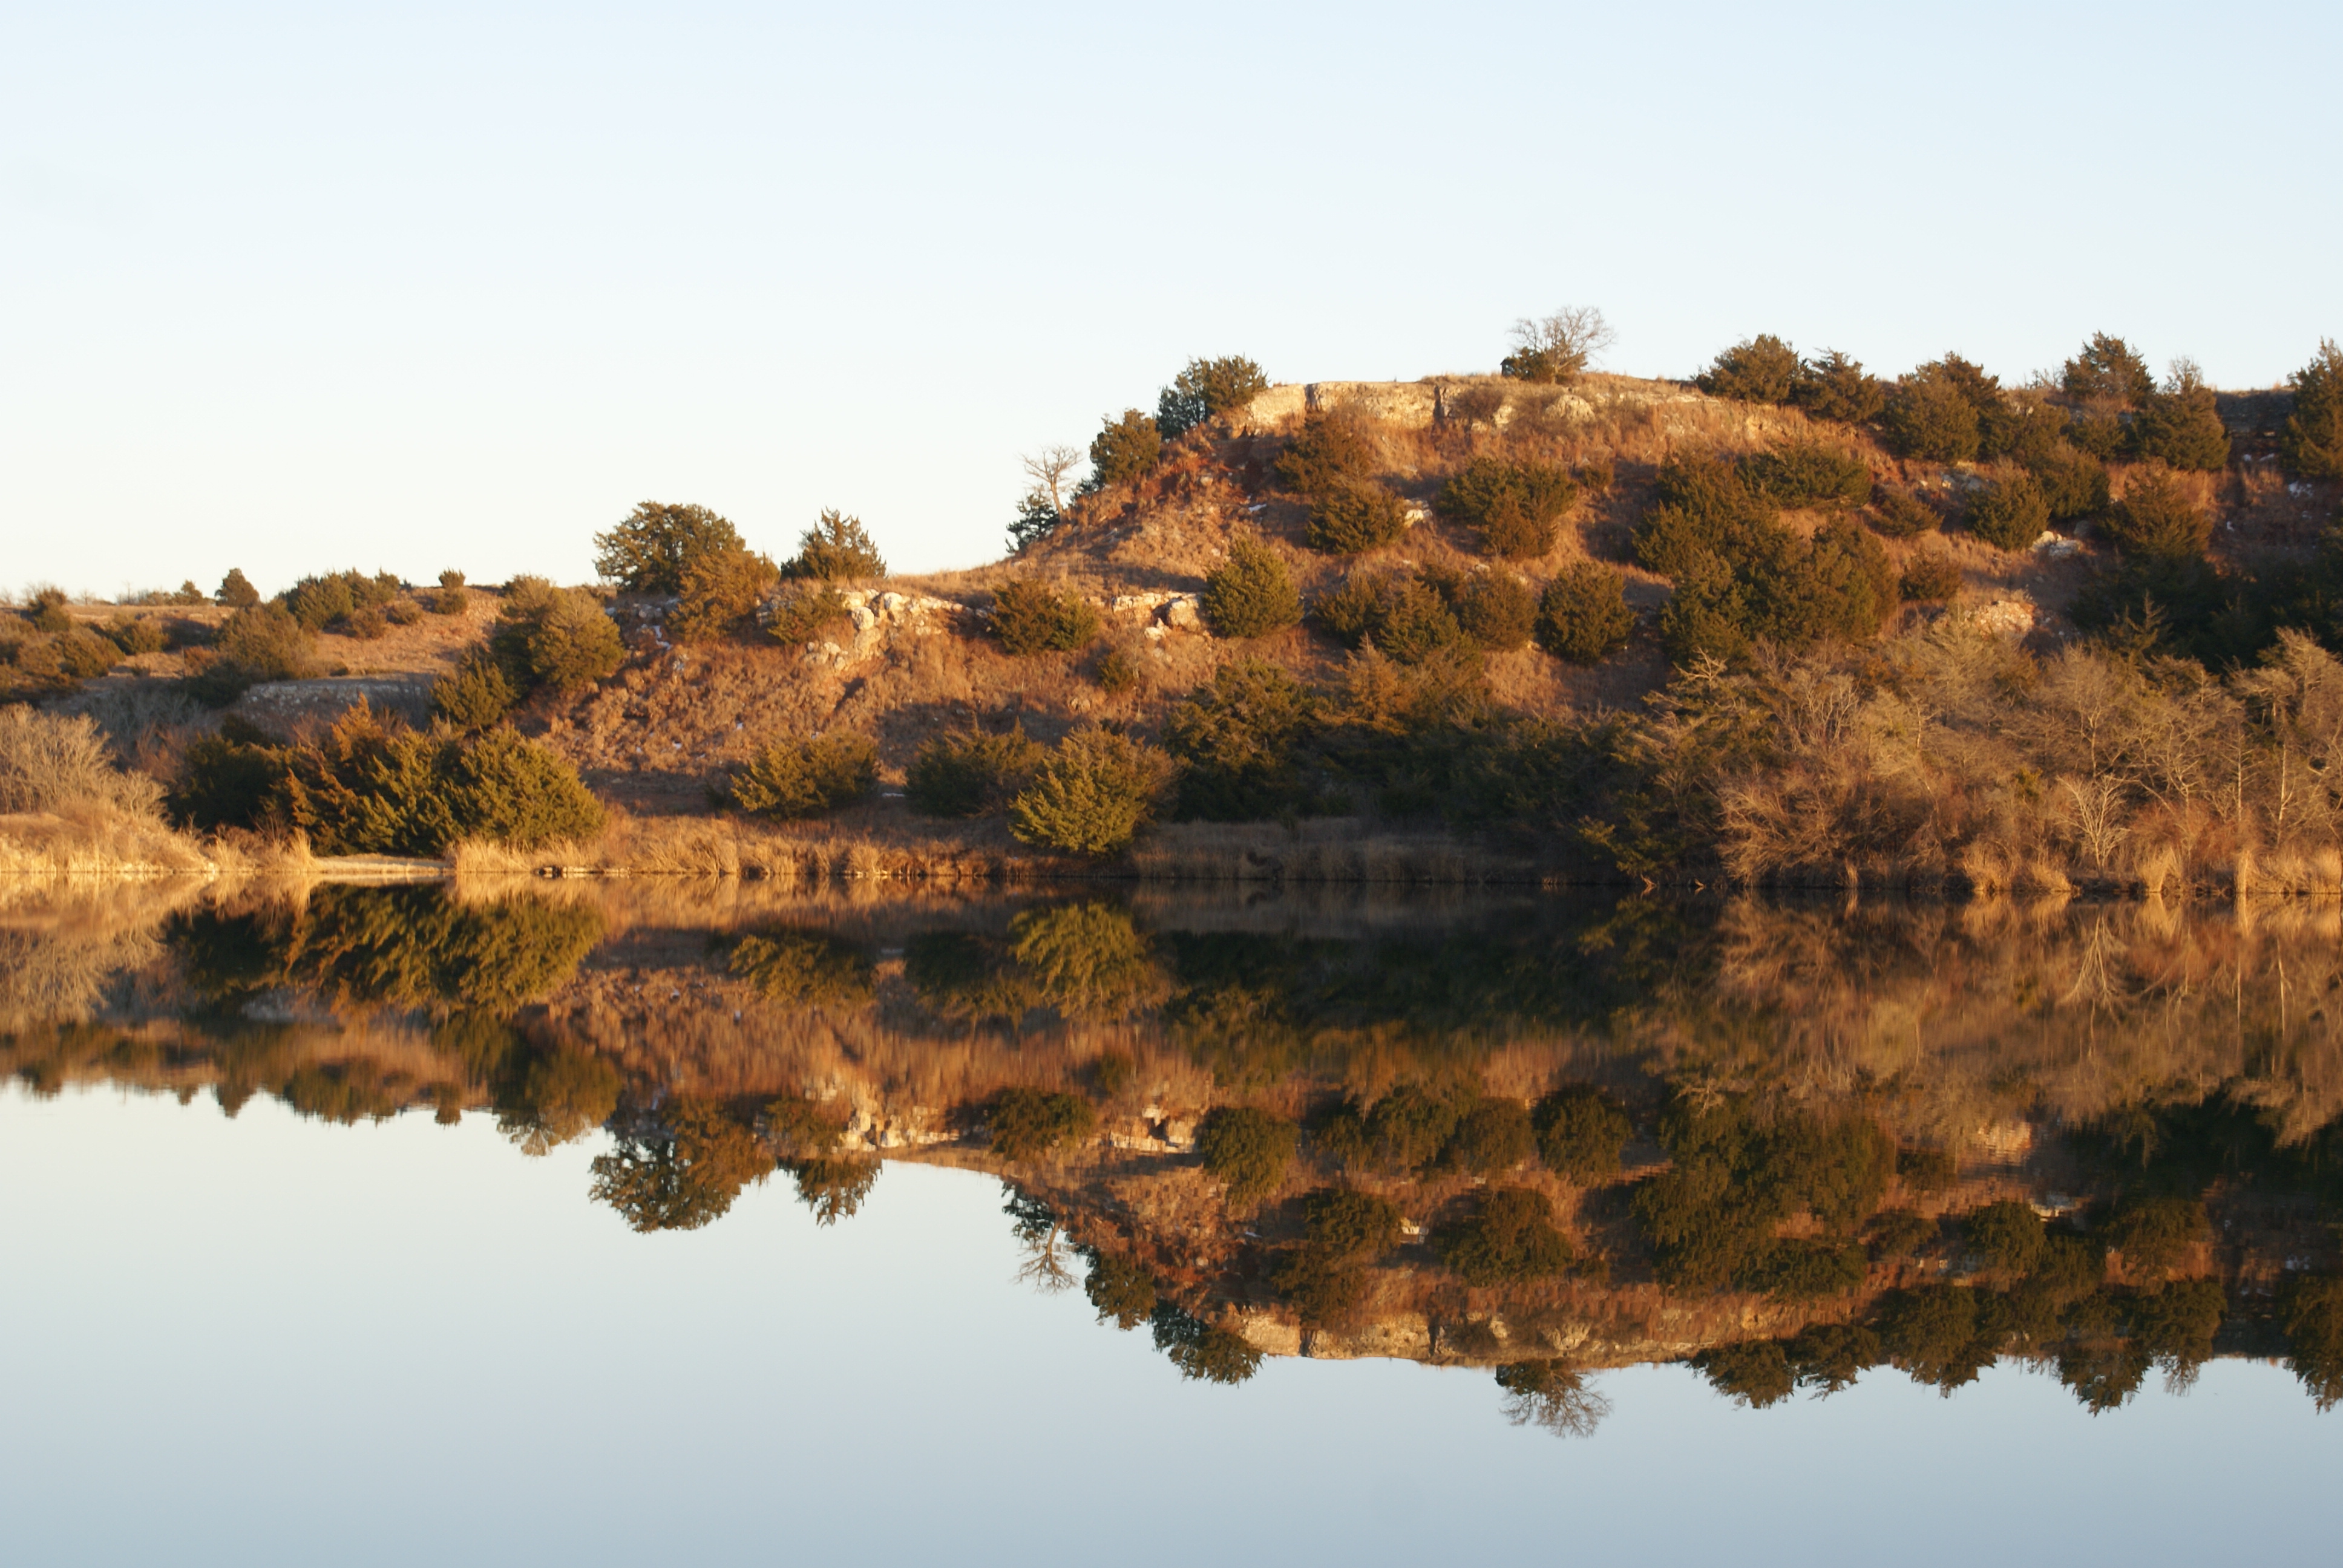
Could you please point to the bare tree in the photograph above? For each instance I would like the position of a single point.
(1044, 506)
(1047, 469)
(1558, 347)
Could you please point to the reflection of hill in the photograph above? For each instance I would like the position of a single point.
(1823, 1103)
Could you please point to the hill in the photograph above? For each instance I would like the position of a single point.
(1434, 728)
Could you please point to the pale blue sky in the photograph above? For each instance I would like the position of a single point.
(300, 287)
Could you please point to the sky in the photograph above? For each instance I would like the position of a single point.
(295, 289)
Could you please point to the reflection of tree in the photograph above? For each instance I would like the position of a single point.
(407, 947)
(1045, 1264)
(1202, 1352)
(962, 976)
(804, 968)
(1552, 1395)
(564, 1093)
(834, 1187)
(683, 1174)
(1087, 960)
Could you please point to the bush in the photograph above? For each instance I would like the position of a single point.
(373, 786)
(473, 695)
(837, 549)
(47, 612)
(1416, 623)
(2183, 427)
(1251, 594)
(2073, 483)
(1494, 609)
(1125, 450)
(366, 624)
(795, 778)
(260, 642)
(1515, 505)
(1090, 796)
(236, 590)
(1115, 672)
(1930, 579)
(1247, 1149)
(1329, 453)
(451, 578)
(134, 636)
(2311, 440)
(720, 590)
(402, 612)
(1703, 507)
(1509, 1239)
(316, 602)
(1581, 1131)
(1028, 1123)
(2007, 1236)
(1931, 416)
(2109, 371)
(1235, 740)
(1900, 514)
(556, 639)
(450, 600)
(802, 612)
(49, 762)
(1583, 616)
(1030, 617)
(1207, 388)
(1806, 473)
(1836, 387)
(1760, 370)
(1494, 1136)
(2009, 512)
(1773, 586)
(968, 774)
(1349, 518)
(646, 552)
(512, 791)
(2155, 520)
(233, 779)
(1596, 474)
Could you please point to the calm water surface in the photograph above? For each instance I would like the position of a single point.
(358, 1322)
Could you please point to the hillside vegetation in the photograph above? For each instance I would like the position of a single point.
(1785, 622)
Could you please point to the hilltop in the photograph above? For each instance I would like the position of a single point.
(1812, 538)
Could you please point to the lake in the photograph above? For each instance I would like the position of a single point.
(552, 1220)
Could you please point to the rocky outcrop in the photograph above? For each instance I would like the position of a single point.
(877, 619)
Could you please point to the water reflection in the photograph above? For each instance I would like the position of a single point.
(1788, 1144)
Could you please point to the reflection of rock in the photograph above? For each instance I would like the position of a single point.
(2006, 1142)
(879, 617)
